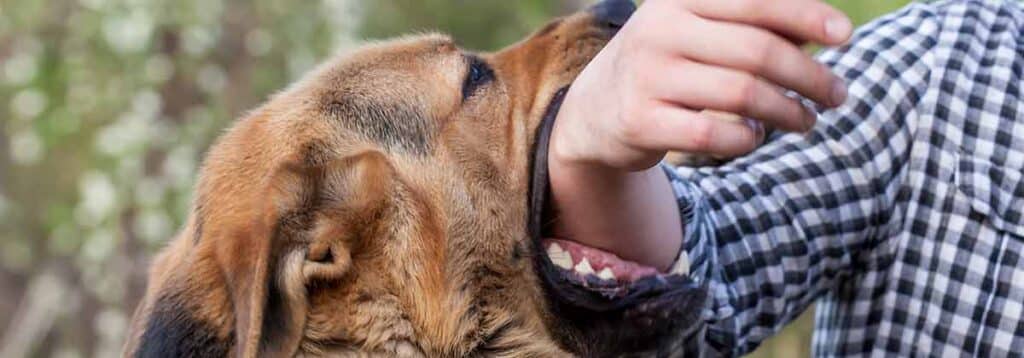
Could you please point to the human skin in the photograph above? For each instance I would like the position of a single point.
(643, 94)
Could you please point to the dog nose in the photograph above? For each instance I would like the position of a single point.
(613, 13)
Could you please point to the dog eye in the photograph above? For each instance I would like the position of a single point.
(476, 74)
(479, 74)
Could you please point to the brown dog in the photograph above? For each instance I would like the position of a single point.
(380, 207)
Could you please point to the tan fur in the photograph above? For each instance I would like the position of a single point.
(369, 247)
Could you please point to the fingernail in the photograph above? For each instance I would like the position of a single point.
(812, 116)
(838, 92)
(838, 28)
(756, 126)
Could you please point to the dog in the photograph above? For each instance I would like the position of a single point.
(390, 204)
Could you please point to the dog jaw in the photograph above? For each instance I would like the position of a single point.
(376, 207)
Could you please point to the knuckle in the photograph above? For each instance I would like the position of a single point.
(630, 124)
(631, 133)
(629, 112)
(703, 135)
(744, 94)
(826, 80)
(764, 53)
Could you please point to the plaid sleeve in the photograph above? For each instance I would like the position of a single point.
(771, 232)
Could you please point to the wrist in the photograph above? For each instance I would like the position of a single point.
(631, 214)
(609, 196)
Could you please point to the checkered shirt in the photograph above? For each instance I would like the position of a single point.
(901, 214)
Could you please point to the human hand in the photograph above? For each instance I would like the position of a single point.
(645, 94)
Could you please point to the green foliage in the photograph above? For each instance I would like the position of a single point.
(482, 24)
(862, 11)
(106, 108)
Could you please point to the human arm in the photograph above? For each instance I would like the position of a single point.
(642, 96)
(771, 232)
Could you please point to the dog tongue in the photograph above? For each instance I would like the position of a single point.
(586, 260)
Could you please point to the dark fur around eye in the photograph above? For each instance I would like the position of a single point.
(478, 74)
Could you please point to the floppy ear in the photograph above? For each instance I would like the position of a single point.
(352, 193)
(235, 284)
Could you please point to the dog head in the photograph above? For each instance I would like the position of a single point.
(380, 206)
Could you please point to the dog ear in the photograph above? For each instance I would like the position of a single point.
(342, 198)
(239, 287)
(353, 192)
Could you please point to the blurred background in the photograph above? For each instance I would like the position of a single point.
(106, 109)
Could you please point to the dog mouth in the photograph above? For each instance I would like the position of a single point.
(603, 304)
(593, 267)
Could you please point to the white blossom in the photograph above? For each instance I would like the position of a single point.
(28, 103)
(20, 68)
(26, 147)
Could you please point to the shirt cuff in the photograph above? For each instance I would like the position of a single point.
(694, 258)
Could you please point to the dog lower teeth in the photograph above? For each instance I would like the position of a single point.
(559, 257)
(589, 262)
(563, 259)
(583, 267)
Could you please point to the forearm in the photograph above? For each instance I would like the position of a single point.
(633, 214)
(647, 93)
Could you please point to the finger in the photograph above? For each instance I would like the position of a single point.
(758, 127)
(669, 127)
(808, 20)
(699, 86)
(764, 54)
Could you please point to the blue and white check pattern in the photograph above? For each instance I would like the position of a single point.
(901, 213)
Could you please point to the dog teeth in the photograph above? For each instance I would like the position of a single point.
(682, 265)
(563, 259)
(584, 267)
(559, 257)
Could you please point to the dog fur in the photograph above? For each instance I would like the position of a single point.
(376, 207)
(380, 207)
